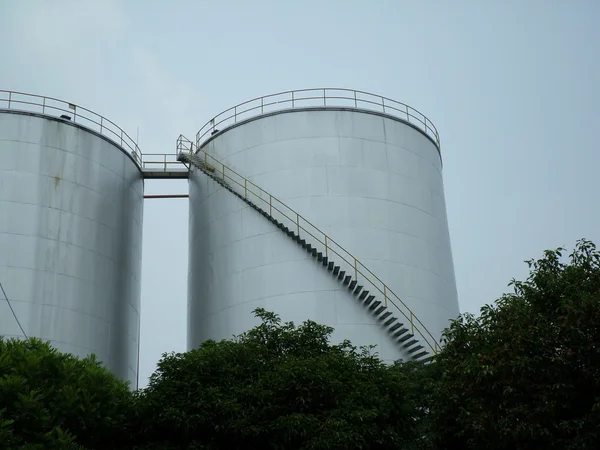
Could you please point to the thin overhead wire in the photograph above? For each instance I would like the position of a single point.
(13, 312)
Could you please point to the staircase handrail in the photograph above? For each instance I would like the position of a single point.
(217, 168)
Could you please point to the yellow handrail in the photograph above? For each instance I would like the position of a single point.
(299, 223)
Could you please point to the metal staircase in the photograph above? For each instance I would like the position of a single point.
(404, 328)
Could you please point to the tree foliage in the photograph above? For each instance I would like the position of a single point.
(526, 373)
(278, 387)
(51, 400)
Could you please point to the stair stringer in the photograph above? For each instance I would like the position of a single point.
(261, 266)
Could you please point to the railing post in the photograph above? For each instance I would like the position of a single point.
(355, 101)
(121, 138)
(9, 98)
(383, 103)
(262, 103)
(101, 123)
(246, 188)
(298, 223)
(223, 166)
(165, 161)
(412, 325)
(324, 100)
(384, 295)
(326, 246)
(292, 99)
(270, 205)
(355, 270)
(44, 106)
(235, 114)
(407, 115)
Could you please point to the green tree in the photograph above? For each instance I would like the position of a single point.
(526, 373)
(51, 400)
(277, 386)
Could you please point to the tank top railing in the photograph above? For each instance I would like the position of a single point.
(317, 238)
(21, 101)
(318, 98)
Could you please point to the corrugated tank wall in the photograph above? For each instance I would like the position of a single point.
(71, 206)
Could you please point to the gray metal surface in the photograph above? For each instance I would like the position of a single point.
(70, 239)
(373, 183)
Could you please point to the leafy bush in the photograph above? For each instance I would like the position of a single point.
(526, 373)
(49, 400)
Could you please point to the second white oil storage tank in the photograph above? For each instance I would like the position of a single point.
(329, 206)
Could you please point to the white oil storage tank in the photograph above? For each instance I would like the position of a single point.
(71, 199)
(322, 204)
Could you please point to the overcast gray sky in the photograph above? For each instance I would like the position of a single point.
(512, 86)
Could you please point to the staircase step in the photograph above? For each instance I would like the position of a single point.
(325, 260)
(302, 242)
(395, 326)
(415, 348)
(369, 299)
(314, 252)
(410, 342)
(380, 309)
(363, 294)
(389, 321)
(386, 315)
(291, 233)
(352, 285)
(400, 332)
(308, 248)
(425, 360)
(341, 275)
(319, 256)
(419, 355)
(336, 270)
(347, 279)
(330, 265)
(358, 289)
(374, 305)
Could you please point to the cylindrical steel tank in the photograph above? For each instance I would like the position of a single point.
(70, 238)
(369, 177)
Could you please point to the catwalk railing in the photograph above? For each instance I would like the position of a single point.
(23, 102)
(318, 239)
(315, 98)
